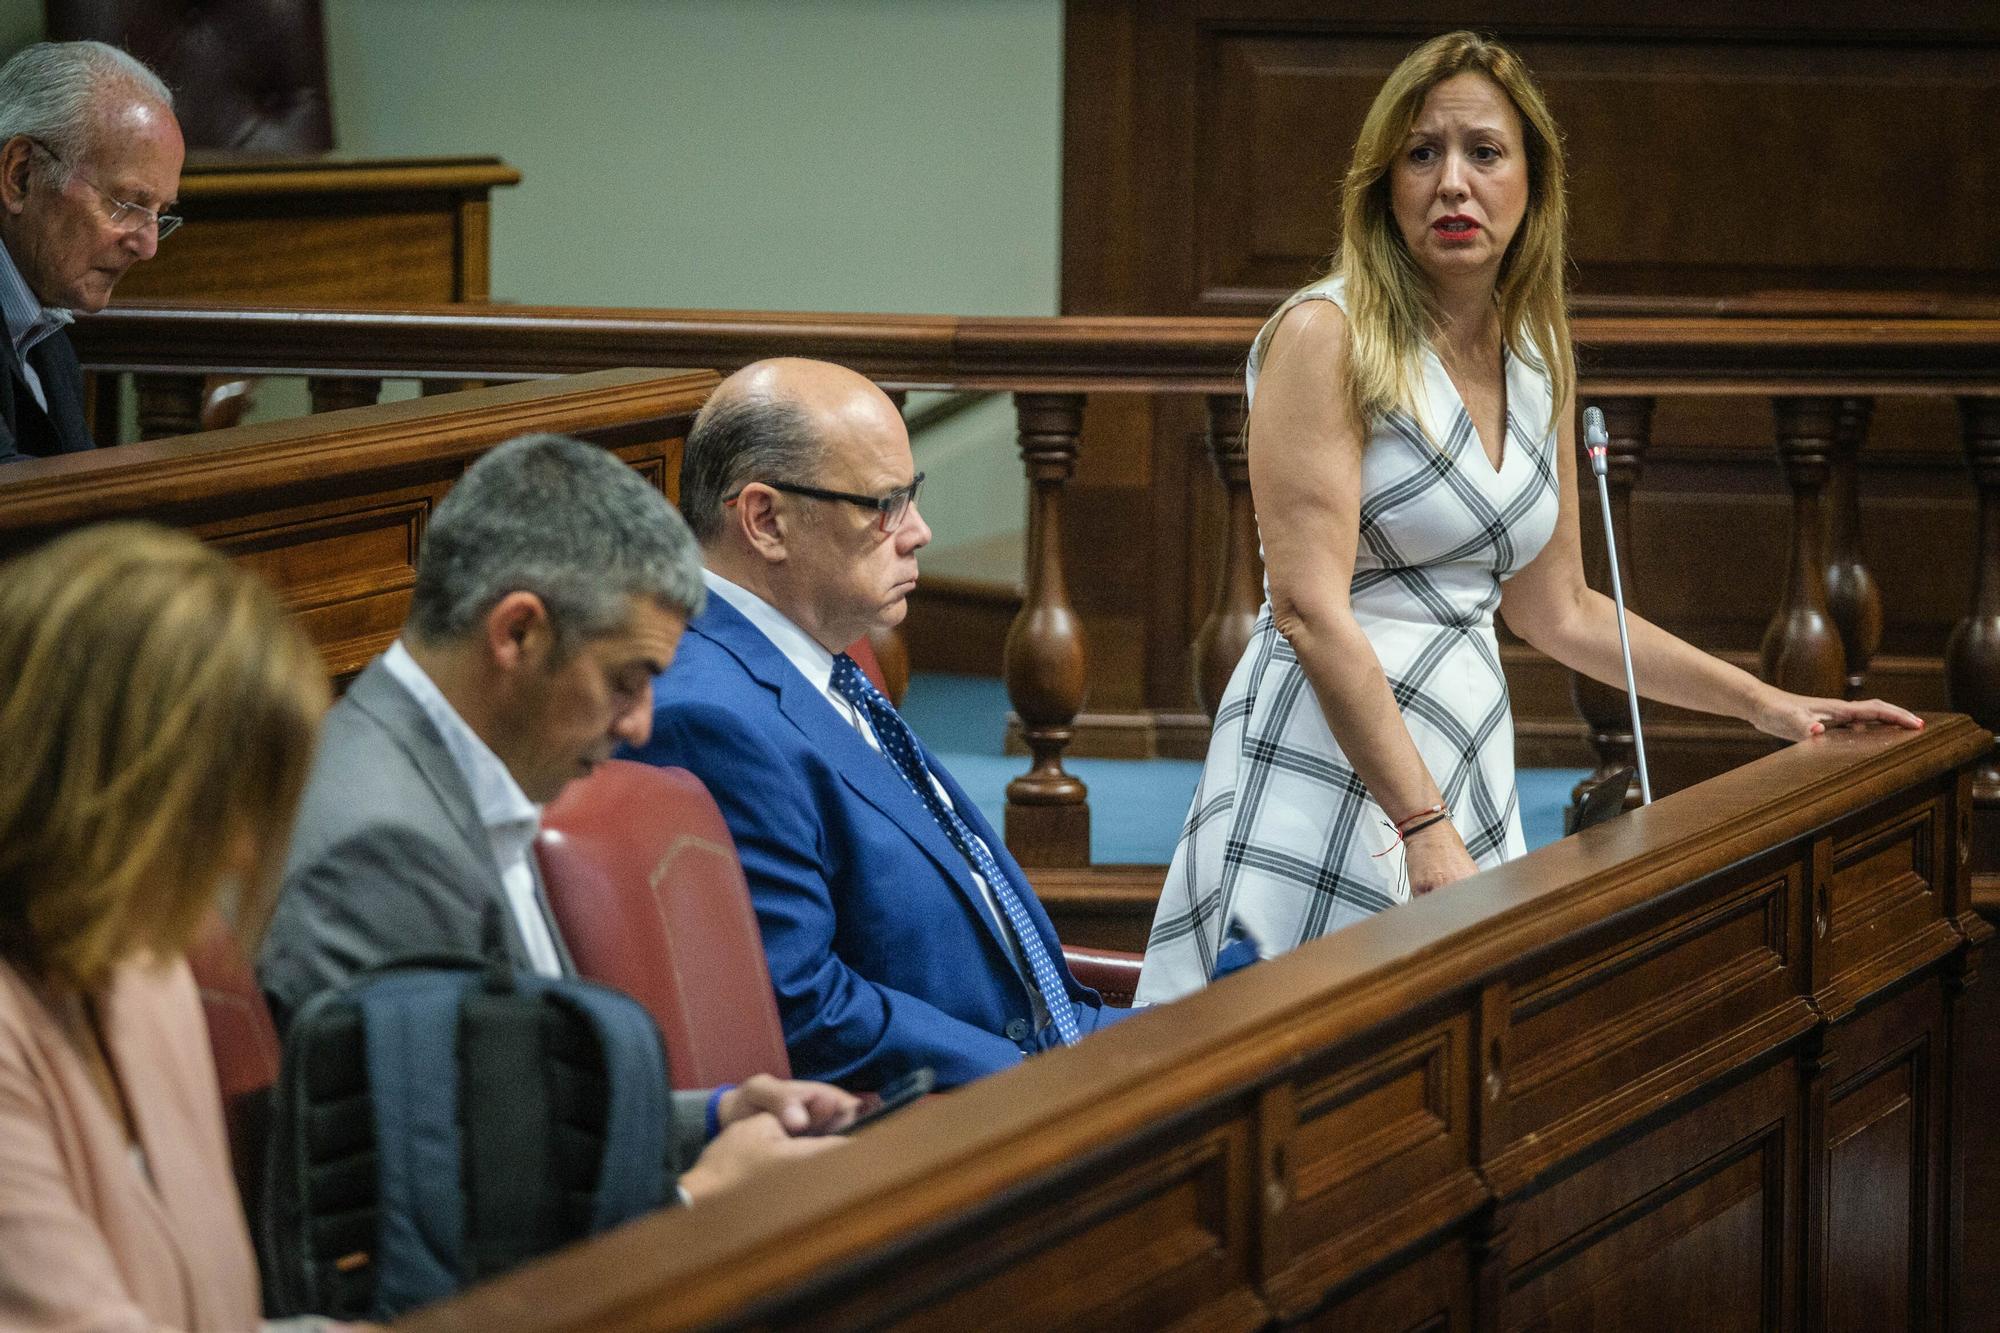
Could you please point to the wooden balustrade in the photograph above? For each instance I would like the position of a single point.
(1699, 1068)
(1048, 810)
(1822, 361)
(1972, 658)
(1239, 592)
(1852, 598)
(1802, 649)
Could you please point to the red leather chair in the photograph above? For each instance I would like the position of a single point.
(244, 1043)
(643, 879)
(1112, 973)
(863, 653)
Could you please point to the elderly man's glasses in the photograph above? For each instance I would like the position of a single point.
(890, 509)
(125, 218)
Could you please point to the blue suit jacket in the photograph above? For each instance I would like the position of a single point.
(881, 948)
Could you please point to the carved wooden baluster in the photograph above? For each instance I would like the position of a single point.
(1240, 590)
(1851, 595)
(1972, 655)
(1048, 814)
(169, 404)
(1606, 719)
(1802, 649)
(331, 393)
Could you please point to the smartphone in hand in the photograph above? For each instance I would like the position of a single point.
(897, 1094)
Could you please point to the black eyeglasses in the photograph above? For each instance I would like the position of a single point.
(890, 509)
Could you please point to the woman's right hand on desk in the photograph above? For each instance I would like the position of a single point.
(1435, 857)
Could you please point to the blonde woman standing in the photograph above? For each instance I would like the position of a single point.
(157, 718)
(1413, 464)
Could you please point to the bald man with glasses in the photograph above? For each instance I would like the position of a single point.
(900, 932)
(90, 161)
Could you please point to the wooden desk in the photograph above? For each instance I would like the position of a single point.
(1694, 1069)
(327, 230)
(306, 231)
(331, 508)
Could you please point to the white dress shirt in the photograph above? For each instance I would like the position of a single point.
(511, 820)
(815, 662)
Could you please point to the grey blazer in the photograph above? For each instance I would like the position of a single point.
(389, 859)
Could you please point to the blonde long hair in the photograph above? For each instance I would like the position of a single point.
(158, 710)
(1389, 309)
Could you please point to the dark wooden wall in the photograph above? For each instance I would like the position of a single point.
(1715, 150)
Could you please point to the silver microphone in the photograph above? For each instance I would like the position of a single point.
(1597, 441)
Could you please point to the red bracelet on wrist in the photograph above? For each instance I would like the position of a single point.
(1402, 826)
(1414, 829)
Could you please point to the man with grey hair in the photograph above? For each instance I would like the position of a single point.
(552, 586)
(90, 162)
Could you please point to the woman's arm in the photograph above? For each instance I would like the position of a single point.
(1551, 607)
(1305, 479)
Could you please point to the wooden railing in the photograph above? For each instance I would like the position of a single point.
(1821, 373)
(1695, 1069)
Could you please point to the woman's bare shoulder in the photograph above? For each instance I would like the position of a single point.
(1315, 328)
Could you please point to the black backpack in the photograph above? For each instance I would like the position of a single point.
(440, 1121)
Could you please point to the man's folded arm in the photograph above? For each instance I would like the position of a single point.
(840, 1026)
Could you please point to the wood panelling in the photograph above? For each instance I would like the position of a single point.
(1603, 1040)
(1393, 1124)
(1885, 1215)
(236, 259)
(324, 230)
(1693, 1225)
(1380, 1129)
(1161, 1240)
(1713, 151)
(331, 508)
(1700, 162)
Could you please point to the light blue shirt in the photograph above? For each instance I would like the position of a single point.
(28, 322)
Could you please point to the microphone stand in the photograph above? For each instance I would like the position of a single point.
(1597, 441)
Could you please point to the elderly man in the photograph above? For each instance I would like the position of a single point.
(899, 930)
(553, 585)
(90, 161)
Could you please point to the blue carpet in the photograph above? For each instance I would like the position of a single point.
(1136, 805)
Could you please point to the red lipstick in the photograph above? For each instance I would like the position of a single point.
(1455, 227)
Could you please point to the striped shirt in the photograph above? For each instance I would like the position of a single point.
(28, 322)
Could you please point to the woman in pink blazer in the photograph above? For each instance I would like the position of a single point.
(157, 716)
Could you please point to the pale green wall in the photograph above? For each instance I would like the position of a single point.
(889, 155)
(775, 154)
(20, 23)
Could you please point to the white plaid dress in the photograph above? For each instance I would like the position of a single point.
(1282, 835)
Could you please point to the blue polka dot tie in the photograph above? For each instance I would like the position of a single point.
(900, 746)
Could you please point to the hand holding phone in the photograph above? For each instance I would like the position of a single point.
(897, 1094)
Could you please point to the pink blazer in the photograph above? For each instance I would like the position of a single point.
(87, 1242)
